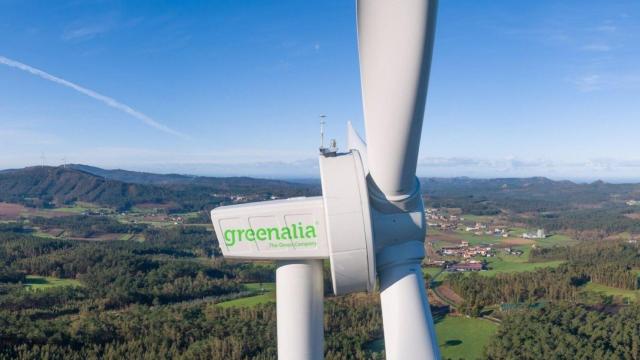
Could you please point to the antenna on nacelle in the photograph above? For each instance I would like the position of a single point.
(370, 217)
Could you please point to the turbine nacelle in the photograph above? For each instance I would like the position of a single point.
(335, 226)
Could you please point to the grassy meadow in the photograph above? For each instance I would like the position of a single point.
(459, 337)
(269, 295)
(36, 282)
(611, 291)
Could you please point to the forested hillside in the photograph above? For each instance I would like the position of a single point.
(44, 186)
(55, 186)
(594, 210)
(237, 184)
(47, 186)
(489, 196)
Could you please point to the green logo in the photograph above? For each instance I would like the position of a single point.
(293, 232)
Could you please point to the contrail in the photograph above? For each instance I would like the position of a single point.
(92, 94)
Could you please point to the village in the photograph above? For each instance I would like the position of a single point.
(463, 257)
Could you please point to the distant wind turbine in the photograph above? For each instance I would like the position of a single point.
(92, 94)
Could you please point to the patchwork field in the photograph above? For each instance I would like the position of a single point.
(501, 263)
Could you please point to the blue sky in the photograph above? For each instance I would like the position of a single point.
(518, 88)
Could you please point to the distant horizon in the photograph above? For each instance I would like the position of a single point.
(312, 178)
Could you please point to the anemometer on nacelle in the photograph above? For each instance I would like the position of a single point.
(369, 221)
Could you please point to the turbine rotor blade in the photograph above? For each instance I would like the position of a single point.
(395, 40)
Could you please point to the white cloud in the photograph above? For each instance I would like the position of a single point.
(607, 28)
(80, 33)
(593, 82)
(587, 83)
(597, 47)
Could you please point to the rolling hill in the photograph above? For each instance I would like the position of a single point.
(40, 186)
(55, 186)
(233, 184)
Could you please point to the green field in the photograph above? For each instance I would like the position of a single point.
(511, 263)
(517, 231)
(556, 240)
(462, 337)
(46, 282)
(607, 290)
(43, 234)
(505, 266)
(268, 296)
(80, 207)
(72, 209)
(431, 270)
(503, 263)
(458, 337)
(477, 218)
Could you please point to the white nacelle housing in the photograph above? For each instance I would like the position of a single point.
(279, 229)
(346, 202)
(336, 226)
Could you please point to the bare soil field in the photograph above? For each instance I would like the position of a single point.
(51, 213)
(434, 300)
(445, 291)
(11, 211)
(514, 241)
(151, 206)
(156, 218)
(634, 216)
(16, 211)
(445, 237)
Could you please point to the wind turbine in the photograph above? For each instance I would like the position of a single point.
(370, 218)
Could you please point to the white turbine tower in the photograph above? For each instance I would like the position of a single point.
(370, 216)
